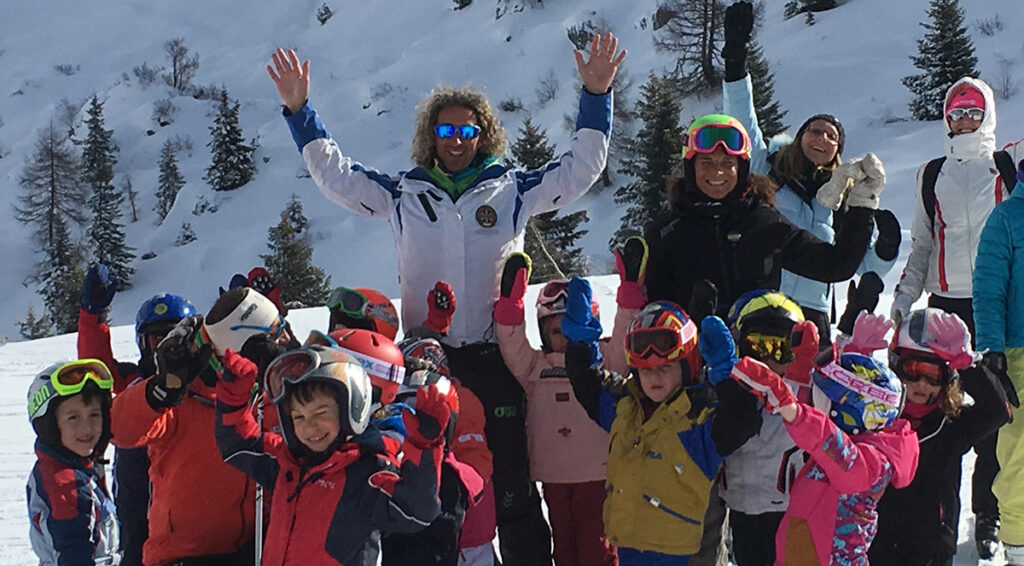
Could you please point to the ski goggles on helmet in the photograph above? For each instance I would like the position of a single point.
(975, 114)
(663, 342)
(300, 365)
(349, 301)
(466, 132)
(70, 379)
(275, 330)
(913, 368)
(770, 346)
(709, 137)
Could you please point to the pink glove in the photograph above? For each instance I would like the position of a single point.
(951, 340)
(235, 388)
(440, 308)
(763, 382)
(869, 334)
(509, 310)
(631, 265)
(804, 343)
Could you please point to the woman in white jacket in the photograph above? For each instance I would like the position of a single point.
(946, 230)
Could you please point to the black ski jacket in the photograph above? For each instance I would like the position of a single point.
(740, 245)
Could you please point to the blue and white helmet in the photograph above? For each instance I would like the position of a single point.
(859, 393)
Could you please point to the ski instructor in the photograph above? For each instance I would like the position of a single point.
(455, 217)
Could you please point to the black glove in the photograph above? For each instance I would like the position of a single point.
(513, 263)
(887, 245)
(703, 301)
(995, 362)
(860, 297)
(178, 362)
(98, 290)
(261, 349)
(739, 22)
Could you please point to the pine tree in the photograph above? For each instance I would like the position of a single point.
(99, 155)
(232, 165)
(769, 115)
(61, 280)
(50, 187)
(170, 182)
(129, 191)
(945, 55)
(33, 327)
(290, 260)
(694, 33)
(550, 239)
(652, 155)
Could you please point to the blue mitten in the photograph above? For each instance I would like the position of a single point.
(579, 325)
(717, 348)
(98, 289)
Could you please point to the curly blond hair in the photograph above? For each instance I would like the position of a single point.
(492, 136)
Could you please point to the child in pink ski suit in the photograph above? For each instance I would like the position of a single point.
(567, 449)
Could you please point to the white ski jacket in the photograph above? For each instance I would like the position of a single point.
(466, 241)
(968, 187)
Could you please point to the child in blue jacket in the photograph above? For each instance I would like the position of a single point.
(70, 509)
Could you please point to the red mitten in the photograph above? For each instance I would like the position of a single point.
(440, 308)
(631, 265)
(509, 310)
(425, 426)
(763, 382)
(235, 387)
(804, 343)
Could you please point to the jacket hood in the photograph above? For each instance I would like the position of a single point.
(981, 142)
(900, 445)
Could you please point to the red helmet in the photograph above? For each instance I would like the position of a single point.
(551, 301)
(379, 356)
(660, 334)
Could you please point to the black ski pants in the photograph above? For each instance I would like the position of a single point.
(525, 538)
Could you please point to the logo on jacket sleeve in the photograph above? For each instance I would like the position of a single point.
(486, 216)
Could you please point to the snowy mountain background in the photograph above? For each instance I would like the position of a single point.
(371, 63)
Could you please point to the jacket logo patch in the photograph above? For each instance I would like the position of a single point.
(654, 455)
(565, 431)
(486, 216)
(733, 236)
(562, 397)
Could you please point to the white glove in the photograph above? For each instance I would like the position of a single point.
(830, 195)
(865, 192)
(901, 304)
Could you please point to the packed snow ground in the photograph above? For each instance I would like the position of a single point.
(371, 63)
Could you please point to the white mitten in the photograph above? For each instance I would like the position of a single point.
(830, 195)
(865, 192)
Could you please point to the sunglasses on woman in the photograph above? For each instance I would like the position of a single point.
(975, 114)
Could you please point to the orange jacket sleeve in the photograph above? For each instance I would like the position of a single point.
(133, 422)
(469, 444)
(94, 342)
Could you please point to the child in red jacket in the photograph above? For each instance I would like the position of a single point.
(336, 484)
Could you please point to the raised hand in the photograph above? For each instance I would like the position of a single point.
(579, 323)
(235, 387)
(951, 340)
(804, 342)
(290, 77)
(602, 64)
(631, 265)
(717, 348)
(509, 310)
(425, 425)
(440, 308)
(767, 385)
(869, 332)
(98, 289)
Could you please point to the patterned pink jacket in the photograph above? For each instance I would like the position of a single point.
(832, 516)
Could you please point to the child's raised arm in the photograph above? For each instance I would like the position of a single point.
(241, 442)
(510, 316)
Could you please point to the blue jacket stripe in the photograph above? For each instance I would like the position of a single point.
(305, 125)
(699, 445)
(595, 112)
(607, 410)
(389, 184)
